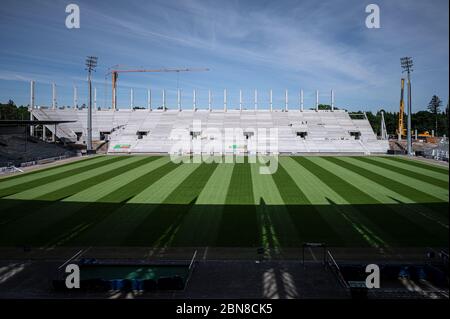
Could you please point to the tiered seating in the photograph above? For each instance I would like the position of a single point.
(15, 149)
(298, 132)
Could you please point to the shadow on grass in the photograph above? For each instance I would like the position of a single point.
(39, 223)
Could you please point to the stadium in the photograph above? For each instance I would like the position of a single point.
(210, 188)
(155, 131)
(170, 188)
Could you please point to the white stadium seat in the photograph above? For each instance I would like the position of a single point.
(145, 131)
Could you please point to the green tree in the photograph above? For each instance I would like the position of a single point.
(434, 107)
(23, 113)
(10, 111)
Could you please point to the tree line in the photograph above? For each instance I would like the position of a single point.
(434, 118)
(10, 111)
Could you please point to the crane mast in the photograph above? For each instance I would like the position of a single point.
(115, 74)
(401, 130)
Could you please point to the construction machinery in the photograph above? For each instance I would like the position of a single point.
(401, 130)
(115, 74)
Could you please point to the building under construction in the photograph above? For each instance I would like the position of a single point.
(179, 128)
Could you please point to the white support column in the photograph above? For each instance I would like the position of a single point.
(131, 98)
(53, 96)
(301, 100)
(271, 100)
(75, 98)
(317, 100)
(286, 100)
(31, 108)
(149, 99)
(209, 100)
(32, 84)
(114, 104)
(179, 100)
(332, 100)
(164, 99)
(383, 127)
(256, 99)
(95, 98)
(225, 100)
(194, 100)
(240, 100)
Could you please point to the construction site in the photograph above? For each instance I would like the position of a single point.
(176, 127)
(282, 165)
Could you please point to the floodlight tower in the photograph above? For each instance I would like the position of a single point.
(91, 63)
(407, 64)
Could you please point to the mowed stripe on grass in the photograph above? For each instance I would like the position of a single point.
(239, 214)
(161, 225)
(31, 180)
(309, 223)
(443, 176)
(19, 204)
(276, 226)
(107, 173)
(117, 187)
(50, 219)
(402, 193)
(52, 169)
(404, 222)
(335, 228)
(374, 234)
(416, 175)
(417, 163)
(216, 189)
(24, 208)
(207, 213)
(150, 201)
(439, 193)
(66, 179)
(402, 226)
(136, 200)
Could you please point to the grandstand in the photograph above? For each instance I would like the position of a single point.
(145, 131)
(16, 148)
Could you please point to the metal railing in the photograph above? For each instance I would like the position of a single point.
(334, 267)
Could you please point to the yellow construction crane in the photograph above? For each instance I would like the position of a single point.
(401, 131)
(115, 74)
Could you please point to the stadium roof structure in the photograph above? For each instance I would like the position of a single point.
(32, 122)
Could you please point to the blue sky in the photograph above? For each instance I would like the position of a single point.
(261, 44)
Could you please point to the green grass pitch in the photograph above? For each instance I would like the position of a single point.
(150, 201)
